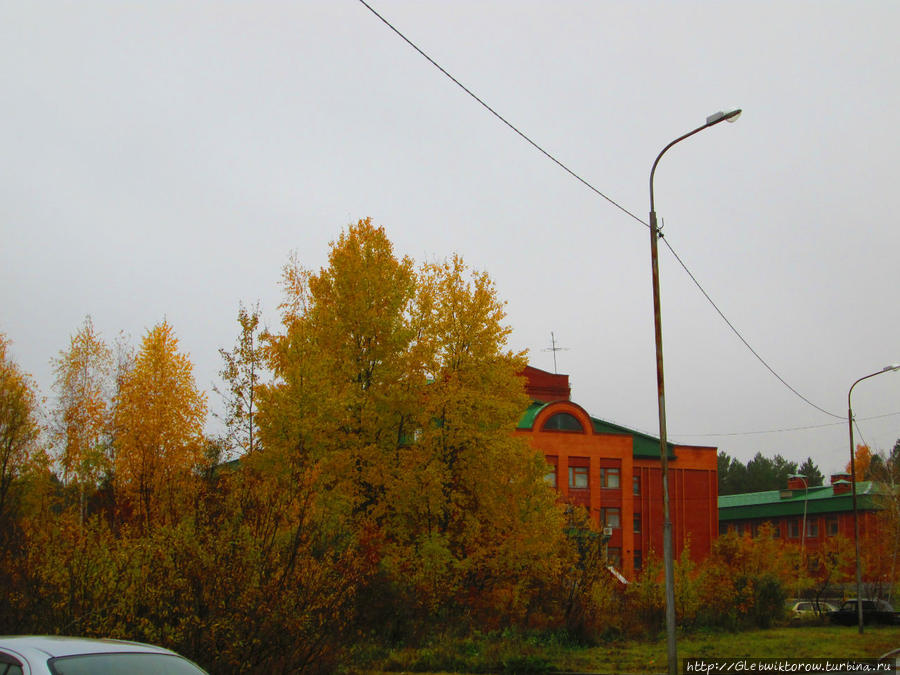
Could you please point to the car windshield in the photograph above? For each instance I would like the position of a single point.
(126, 663)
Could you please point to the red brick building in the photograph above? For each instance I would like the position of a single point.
(826, 510)
(615, 473)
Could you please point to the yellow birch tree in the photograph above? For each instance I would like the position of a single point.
(341, 365)
(467, 492)
(19, 428)
(244, 367)
(159, 416)
(83, 377)
(399, 388)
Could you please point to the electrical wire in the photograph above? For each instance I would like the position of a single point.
(783, 430)
(503, 119)
(595, 190)
(741, 337)
(861, 437)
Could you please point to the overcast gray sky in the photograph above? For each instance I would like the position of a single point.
(161, 159)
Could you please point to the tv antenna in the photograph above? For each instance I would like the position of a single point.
(554, 348)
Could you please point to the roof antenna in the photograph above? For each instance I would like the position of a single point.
(554, 348)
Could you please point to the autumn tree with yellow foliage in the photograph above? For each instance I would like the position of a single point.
(396, 386)
(339, 367)
(159, 414)
(19, 430)
(242, 373)
(862, 460)
(83, 377)
(471, 518)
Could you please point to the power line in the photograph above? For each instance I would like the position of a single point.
(784, 430)
(741, 337)
(861, 437)
(597, 192)
(503, 119)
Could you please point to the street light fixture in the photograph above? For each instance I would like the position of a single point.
(859, 598)
(731, 116)
(712, 120)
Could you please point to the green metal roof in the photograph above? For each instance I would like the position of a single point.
(821, 499)
(527, 421)
(643, 445)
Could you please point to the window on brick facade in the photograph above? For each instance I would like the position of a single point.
(611, 517)
(638, 562)
(831, 525)
(563, 422)
(794, 529)
(812, 527)
(636, 485)
(578, 477)
(609, 477)
(550, 476)
(776, 530)
(614, 556)
(637, 522)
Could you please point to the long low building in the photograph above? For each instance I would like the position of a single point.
(615, 473)
(826, 510)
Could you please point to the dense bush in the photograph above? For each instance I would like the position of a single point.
(213, 587)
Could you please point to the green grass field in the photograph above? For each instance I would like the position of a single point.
(513, 653)
(790, 642)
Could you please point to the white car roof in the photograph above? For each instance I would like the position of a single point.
(55, 645)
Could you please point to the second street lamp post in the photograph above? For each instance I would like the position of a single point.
(803, 531)
(859, 598)
(663, 444)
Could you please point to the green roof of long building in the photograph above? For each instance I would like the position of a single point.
(821, 499)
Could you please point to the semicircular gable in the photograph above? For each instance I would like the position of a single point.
(563, 416)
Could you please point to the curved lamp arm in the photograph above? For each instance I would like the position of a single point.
(712, 120)
(886, 369)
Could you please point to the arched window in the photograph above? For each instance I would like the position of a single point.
(563, 422)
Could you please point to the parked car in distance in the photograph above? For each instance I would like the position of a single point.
(54, 655)
(807, 609)
(874, 611)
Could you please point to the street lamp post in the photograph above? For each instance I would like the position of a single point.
(859, 598)
(803, 531)
(663, 444)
